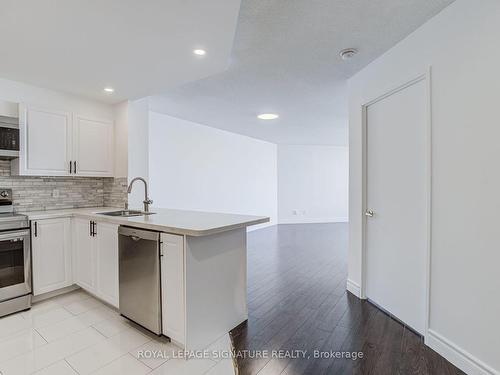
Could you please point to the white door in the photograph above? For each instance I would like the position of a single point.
(45, 147)
(107, 262)
(93, 147)
(396, 234)
(51, 247)
(85, 257)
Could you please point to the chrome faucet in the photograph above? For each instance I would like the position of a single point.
(146, 201)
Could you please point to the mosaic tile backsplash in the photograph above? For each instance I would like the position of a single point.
(49, 193)
(115, 192)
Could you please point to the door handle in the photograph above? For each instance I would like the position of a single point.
(70, 167)
(369, 213)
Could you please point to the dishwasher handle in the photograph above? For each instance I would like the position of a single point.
(138, 234)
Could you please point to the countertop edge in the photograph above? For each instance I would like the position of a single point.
(53, 214)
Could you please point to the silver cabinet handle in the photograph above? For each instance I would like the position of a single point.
(369, 213)
(135, 238)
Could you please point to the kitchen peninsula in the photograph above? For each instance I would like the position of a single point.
(202, 264)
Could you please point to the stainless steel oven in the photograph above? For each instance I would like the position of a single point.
(15, 258)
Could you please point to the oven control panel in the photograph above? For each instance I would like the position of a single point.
(5, 198)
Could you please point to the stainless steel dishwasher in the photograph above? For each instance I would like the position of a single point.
(139, 274)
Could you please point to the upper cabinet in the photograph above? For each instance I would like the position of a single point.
(45, 142)
(92, 146)
(54, 143)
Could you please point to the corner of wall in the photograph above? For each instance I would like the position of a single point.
(353, 288)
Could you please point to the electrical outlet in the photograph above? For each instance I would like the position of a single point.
(55, 193)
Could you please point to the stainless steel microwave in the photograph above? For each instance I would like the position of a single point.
(9, 137)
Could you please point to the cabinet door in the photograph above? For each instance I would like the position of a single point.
(93, 147)
(107, 262)
(172, 282)
(85, 258)
(51, 246)
(45, 142)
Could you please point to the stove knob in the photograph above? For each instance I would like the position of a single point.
(4, 194)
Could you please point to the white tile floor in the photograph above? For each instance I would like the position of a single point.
(77, 334)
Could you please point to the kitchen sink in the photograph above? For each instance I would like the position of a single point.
(125, 213)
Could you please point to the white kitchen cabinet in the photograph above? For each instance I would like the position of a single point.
(54, 143)
(85, 257)
(45, 142)
(106, 242)
(172, 283)
(51, 247)
(93, 146)
(96, 258)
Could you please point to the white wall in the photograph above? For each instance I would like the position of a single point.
(138, 148)
(312, 184)
(121, 139)
(197, 167)
(461, 44)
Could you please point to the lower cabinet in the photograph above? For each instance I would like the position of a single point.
(84, 254)
(107, 262)
(51, 249)
(96, 258)
(172, 287)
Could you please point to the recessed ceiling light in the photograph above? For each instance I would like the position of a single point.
(200, 52)
(348, 53)
(109, 90)
(268, 116)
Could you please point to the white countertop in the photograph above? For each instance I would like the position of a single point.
(191, 223)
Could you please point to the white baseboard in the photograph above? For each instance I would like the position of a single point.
(354, 288)
(314, 220)
(458, 356)
(55, 293)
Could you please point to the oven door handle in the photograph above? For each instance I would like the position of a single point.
(13, 235)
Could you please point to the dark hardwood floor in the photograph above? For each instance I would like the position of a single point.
(297, 302)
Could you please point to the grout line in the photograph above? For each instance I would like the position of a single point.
(92, 327)
(69, 364)
(44, 339)
(142, 363)
(211, 367)
(106, 339)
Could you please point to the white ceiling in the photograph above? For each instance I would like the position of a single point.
(285, 56)
(139, 47)
(285, 59)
